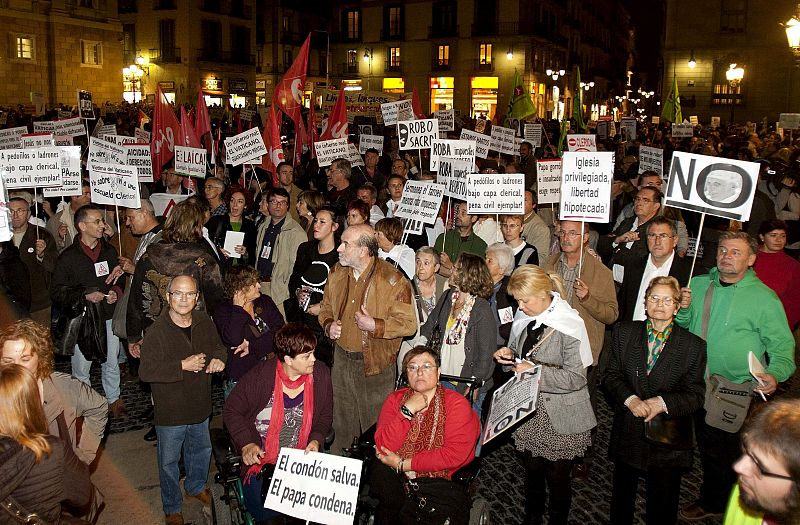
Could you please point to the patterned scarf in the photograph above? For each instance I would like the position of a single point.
(426, 432)
(656, 341)
(459, 327)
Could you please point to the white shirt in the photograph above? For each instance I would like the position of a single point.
(403, 256)
(375, 214)
(391, 207)
(650, 273)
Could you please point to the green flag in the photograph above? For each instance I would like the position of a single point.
(577, 102)
(562, 137)
(672, 104)
(520, 104)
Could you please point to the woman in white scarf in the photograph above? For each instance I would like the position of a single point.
(548, 332)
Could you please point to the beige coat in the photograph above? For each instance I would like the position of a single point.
(290, 237)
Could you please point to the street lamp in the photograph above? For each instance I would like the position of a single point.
(132, 81)
(734, 75)
(510, 53)
(792, 28)
(692, 61)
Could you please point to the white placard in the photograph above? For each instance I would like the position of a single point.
(581, 143)
(164, 202)
(63, 141)
(627, 128)
(446, 118)
(420, 201)
(502, 140)
(512, 402)
(11, 138)
(453, 174)
(141, 158)
(104, 152)
(64, 114)
(105, 129)
(120, 140)
(247, 114)
(394, 111)
(5, 226)
(684, 130)
(330, 150)
(496, 193)
(315, 487)
(693, 120)
(789, 120)
(417, 134)
(355, 157)
(245, 147)
(232, 240)
(453, 149)
(70, 174)
(586, 186)
(366, 142)
(141, 135)
(190, 161)
(548, 181)
(482, 142)
(712, 185)
(656, 120)
(715, 122)
(28, 168)
(651, 159)
(114, 184)
(46, 126)
(69, 127)
(37, 140)
(533, 134)
(602, 129)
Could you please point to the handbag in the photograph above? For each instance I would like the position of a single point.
(727, 403)
(434, 500)
(66, 328)
(671, 432)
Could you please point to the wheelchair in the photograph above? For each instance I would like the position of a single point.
(363, 448)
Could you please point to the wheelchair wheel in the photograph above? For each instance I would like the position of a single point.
(479, 513)
(225, 510)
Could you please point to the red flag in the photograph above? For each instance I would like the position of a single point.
(166, 131)
(288, 96)
(416, 106)
(272, 140)
(312, 135)
(300, 138)
(203, 125)
(336, 125)
(188, 133)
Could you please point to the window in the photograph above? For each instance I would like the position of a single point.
(129, 42)
(394, 22)
(91, 53)
(394, 57)
(85, 3)
(166, 40)
(444, 55)
(733, 16)
(485, 54)
(352, 57)
(287, 59)
(24, 48)
(286, 24)
(724, 94)
(444, 18)
(352, 24)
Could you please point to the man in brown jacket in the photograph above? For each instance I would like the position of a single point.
(366, 310)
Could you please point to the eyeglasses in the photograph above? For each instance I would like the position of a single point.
(427, 367)
(643, 199)
(659, 236)
(760, 468)
(21, 211)
(276, 202)
(655, 299)
(184, 295)
(568, 234)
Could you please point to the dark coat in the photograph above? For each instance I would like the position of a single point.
(626, 296)
(41, 272)
(621, 253)
(221, 224)
(677, 377)
(14, 277)
(503, 300)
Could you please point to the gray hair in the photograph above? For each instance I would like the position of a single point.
(344, 165)
(147, 208)
(504, 255)
(427, 250)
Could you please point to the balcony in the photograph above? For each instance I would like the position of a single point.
(226, 57)
(292, 38)
(440, 65)
(540, 31)
(345, 37)
(389, 34)
(165, 56)
(442, 31)
(344, 68)
(483, 65)
(392, 67)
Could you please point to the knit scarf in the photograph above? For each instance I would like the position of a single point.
(271, 443)
(426, 432)
(461, 321)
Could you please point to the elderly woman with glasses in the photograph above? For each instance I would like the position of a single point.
(425, 432)
(655, 378)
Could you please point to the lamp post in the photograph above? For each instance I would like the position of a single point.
(132, 78)
(734, 75)
(368, 54)
(555, 74)
(692, 62)
(792, 28)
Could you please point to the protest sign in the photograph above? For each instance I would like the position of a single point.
(190, 161)
(715, 122)
(693, 120)
(141, 135)
(602, 129)
(70, 174)
(480, 125)
(586, 186)
(656, 120)
(651, 159)
(548, 181)
(140, 157)
(164, 202)
(482, 142)
(105, 152)
(420, 201)
(316, 487)
(389, 111)
(627, 128)
(712, 185)
(533, 134)
(330, 150)
(65, 114)
(357, 103)
(581, 143)
(454, 149)
(47, 126)
(247, 147)
(453, 174)
(496, 193)
(684, 130)
(12, 137)
(417, 134)
(101, 131)
(114, 184)
(364, 129)
(247, 114)
(366, 142)
(37, 140)
(355, 157)
(120, 140)
(70, 127)
(512, 402)
(63, 141)
(28, 168)
(789, 120)
(5, 226)
(85, 105)
(502, 140)
(446, 118)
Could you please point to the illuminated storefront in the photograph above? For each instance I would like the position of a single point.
(483, 97)
(442, 93)
(212, 91)
(394, 85)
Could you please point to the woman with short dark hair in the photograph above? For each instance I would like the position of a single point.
(389, 233)
(239, 201)
(778, 270)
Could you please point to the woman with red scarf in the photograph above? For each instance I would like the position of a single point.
(424, 434)
(282, 402)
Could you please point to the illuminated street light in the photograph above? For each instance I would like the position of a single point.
(792, 28)
(734, 75)
(692, 61)
(510, 54)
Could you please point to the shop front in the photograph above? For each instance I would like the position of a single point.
(483, 100)
(442, 93)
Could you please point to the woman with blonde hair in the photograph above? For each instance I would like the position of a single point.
(548, 332)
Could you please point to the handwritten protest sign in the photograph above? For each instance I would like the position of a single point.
(693, 120)
(512, 402)
(114, 184)
(502, 140)
(789, 120)
(366, 142)
(330, 150)
(27, 168)
(712, 185)
(396, 110)
(37, 140)
(69, 127)
(548, 181)
(139, 157)
(482, 142)
(106, 129)
(104, 152)
(586, 186)
(47, 126)
(651, 159)
(315, 487)
(417, 134)
(496, 193)
(602, 129)
(627, 128)
(11, 138)
(533, 134)
(453, 174)
(715, 122)
(355, 157)
(247, 114)
(247, 147)
(454, 149)
(684, 130)
(420, 201)
(120, 140)
(446, 118)
(581, 143)
(358, 103)
(70, 174)
(141, 135)
(190, 161)
(85, 105)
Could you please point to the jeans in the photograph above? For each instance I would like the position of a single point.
(195, 440)
(253, 502)
(109, 369)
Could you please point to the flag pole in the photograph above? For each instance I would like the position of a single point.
(36, 211)
(697, 244)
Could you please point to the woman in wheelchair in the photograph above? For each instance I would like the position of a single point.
(282, 402)
(424, 433)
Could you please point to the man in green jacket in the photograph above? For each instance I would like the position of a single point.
(745, 315)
